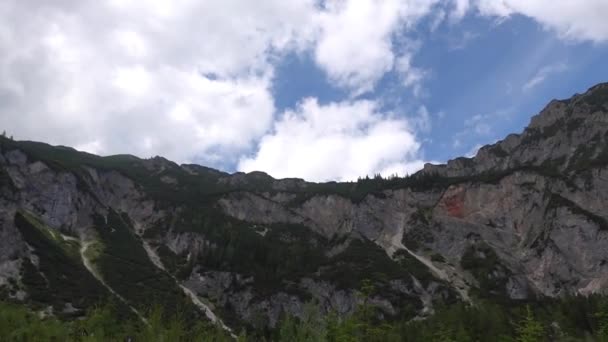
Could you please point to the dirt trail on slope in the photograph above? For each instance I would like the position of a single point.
(153, 256)
(84, 246)
(446, 273)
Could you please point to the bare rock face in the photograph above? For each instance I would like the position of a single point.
(526, 217)
(535, 199)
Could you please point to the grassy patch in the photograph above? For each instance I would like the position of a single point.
(60, 276)
(125, 266)
(94, 251)
(69, 246)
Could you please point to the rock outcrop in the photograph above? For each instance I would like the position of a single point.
(526, 217)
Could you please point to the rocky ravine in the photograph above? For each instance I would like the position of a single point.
(526, 217)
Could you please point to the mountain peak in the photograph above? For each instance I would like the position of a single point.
(524, 218)
(558, 138)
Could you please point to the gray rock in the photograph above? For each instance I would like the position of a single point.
(536, 201)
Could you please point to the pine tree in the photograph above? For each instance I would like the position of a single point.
(443, 334)
(602, 318)
(311, 327)
(529, 329)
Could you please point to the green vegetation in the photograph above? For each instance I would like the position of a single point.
(481, 260)
(277, 261)
(192, 188)
(598, 98)
(103, 324)
(364, 258)
(529, 329)
(202, 185)
(568, 319)
(93, 251)
(284, 255)
(415, 267)
(126, 268)
(146, 173)
(361, 257)
(419, 233)
(69, 246)
(59, 277)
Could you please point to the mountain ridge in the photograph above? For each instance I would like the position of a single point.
(525, 218)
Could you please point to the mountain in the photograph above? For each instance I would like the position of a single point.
(525, 218)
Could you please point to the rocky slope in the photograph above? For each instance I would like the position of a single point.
(524, 218)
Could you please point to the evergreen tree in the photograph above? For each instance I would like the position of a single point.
(311, 327)
(602, 320)
(529, 329)
(443, 334)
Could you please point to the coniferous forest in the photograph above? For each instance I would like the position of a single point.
(569, 319)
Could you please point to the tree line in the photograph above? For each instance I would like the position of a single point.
(567, 319)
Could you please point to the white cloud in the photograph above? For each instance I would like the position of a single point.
(410, 75)
(128, 76)
(542, 74)
(573, 20)
(192, 79)
(355, 43)
(185, 79)
(339, 141)
(459, 9)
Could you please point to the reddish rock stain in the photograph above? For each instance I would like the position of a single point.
(454, 204)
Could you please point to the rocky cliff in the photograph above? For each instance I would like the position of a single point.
(524, 218)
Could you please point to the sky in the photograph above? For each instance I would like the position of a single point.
(315, 89)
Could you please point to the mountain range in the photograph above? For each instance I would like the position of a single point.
(525, 218)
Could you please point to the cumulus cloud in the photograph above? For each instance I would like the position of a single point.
(355, 43)
(192, 80)
(573, 20)
(186, 79)
(176, 78)
(459, 9)
(337, 141)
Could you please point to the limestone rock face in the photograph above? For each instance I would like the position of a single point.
(526, 217)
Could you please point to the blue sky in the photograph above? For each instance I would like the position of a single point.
(317, 89)
(476, 89)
